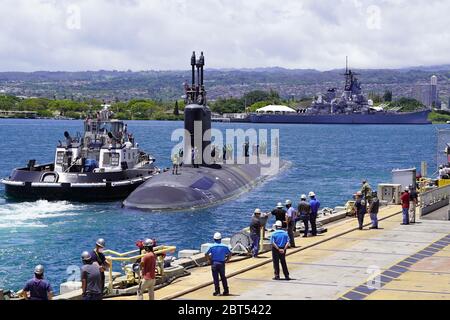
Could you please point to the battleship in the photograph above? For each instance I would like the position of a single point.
(352, 107)
(103, 164)
(200, 183)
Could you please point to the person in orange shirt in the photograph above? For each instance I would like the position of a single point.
(148, 266)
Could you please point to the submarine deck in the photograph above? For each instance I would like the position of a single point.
(413, 262)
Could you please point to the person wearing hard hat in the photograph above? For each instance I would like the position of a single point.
(218, 254)
(405, 206)
(148, 267)
(315, 205)
(38, 288)
(413, 200)
(255, 232)
(361, 208)
(280, 214)
(366, 190)
(374, 205)
(98, 256)
(91, 278)
(280, 242)
(175, 163)
(304, 212)
(291, 215)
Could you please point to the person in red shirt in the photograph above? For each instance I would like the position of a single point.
(405, 206)
(148, 266)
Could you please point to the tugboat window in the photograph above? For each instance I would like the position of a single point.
(60, 157)
(49, 177)
(111, 159)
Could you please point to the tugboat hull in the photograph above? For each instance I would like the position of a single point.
(70, 192)
(83, 187)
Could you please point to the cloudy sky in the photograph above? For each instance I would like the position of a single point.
(160, 34)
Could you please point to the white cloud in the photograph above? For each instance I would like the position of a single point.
(160, 34)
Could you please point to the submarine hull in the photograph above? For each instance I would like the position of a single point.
(195, 188)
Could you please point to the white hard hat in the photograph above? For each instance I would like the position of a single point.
(39, 269)
(86, 256)
(279, 205)
(148, 243)
(288, 202)
(101, 242)
(257, 210)
(312, 194)
(359, 193)
(217, 236)
(278, 224)
(303, 197)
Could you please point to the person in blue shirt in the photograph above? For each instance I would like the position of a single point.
(218, 254)
(315, 205)
(361, 208)
(280, 242)
(38, 288)
(291, 216)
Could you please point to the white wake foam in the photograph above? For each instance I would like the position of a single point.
(34, 214)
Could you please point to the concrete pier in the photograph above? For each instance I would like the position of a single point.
(394, 262)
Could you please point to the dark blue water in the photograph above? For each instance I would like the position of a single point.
(330, 160)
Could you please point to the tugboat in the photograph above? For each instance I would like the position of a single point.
(103, 164)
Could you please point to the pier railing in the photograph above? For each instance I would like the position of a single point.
(434, 199)
(135, 255)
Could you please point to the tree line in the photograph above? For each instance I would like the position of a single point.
(146, 109)
(136, 109)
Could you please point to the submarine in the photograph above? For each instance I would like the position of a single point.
(203, 181)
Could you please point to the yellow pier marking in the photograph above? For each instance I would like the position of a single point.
(423, 275)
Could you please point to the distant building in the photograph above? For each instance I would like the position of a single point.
(428, 94)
